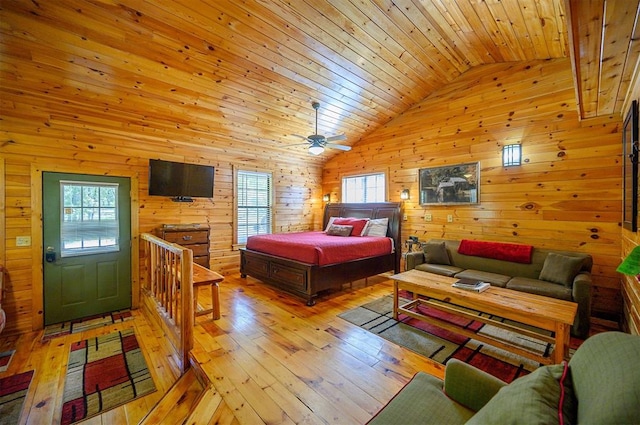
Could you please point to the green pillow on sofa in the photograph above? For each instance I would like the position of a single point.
(532, 399)
(560, 268)
(436, 253)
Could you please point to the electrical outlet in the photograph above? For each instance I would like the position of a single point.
(450, 218)
(428, 217)
(23, 240)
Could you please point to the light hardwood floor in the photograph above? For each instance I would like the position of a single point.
(274, 360)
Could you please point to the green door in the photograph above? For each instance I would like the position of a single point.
(87, 245)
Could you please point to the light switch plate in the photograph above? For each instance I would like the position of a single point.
(450, 218)
(428, 217)
(23, 240)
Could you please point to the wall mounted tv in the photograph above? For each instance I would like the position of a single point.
(180, 181)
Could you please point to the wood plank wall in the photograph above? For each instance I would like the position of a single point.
(566, 195)
(298, 197)
(630, 290)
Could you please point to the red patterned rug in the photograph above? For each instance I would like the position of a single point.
(103, 373)
(5, 359)
(13, 392)
(86, 323)
(441, 345)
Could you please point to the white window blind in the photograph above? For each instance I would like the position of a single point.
(364, 188)
(89, 218)
(254, 198)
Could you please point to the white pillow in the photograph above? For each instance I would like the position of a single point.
(377, 227)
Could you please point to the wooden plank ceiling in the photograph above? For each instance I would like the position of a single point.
(240, 76)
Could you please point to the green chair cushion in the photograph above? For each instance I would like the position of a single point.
(422, 401)
(532, 399)
(606, 377)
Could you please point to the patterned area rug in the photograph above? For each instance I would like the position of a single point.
(86, 323)
(103, 373)
(441, 345)
(5, 359)
(13, 392)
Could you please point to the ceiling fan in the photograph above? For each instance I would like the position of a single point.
(318, 142)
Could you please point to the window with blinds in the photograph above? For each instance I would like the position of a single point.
(364, 188)
(89, 218)
(254, 204)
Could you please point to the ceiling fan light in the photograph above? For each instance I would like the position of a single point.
(316, 149)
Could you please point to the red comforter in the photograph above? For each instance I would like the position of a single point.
(320, 248)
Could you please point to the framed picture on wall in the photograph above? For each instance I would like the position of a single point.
(450, 184)
(630, 169)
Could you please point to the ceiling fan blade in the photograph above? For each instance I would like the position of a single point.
(336, 137)
(340, 147)
(302, 137)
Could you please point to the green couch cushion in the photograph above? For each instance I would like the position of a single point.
(494, 279)
(532, 399)
(436, 253)
(540, 287)
(421, 401)
(606, 378)
(440, 269)
(560, 268)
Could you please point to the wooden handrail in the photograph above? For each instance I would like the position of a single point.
(167, 291)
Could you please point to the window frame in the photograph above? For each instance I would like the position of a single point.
(82, 226)
(385, 176)
(236, 196)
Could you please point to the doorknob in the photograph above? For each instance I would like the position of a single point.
(50, 255)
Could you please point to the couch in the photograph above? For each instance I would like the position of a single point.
(559, 274)
(599, 385)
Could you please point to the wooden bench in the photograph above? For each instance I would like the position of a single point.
(203, 277)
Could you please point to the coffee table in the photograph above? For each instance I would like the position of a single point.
(542, 312)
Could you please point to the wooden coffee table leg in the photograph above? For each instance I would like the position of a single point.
(395, 300)
(562, 342)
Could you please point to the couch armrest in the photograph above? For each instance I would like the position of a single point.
(581, 294)
(468, 385)
(413, 259)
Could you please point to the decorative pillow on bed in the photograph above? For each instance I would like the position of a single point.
(339, 230)
(358, 224)
(377, 227)
(330, 222)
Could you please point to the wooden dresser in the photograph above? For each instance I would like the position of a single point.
(192, 236)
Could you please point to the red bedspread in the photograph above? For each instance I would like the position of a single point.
(320, 248)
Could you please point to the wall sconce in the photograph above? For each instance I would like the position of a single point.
(326, 197)
(511, 155)
(404, 195)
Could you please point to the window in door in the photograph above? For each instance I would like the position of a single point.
(364, 188)
(89, 218)
(254, 211)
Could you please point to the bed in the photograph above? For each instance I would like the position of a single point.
(306, 279)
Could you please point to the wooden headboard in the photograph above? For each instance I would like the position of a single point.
(391, 210)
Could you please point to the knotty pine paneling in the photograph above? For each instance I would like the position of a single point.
(567, 194)
(631, 285)
(298, 184)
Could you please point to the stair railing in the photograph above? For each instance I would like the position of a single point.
(167, 292)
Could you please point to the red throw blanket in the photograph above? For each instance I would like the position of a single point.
(320, 248)
(498, 250)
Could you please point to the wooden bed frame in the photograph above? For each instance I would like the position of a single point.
(307, 280)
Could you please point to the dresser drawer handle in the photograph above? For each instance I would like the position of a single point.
(187, 237)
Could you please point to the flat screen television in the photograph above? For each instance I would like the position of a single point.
(179, 180)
